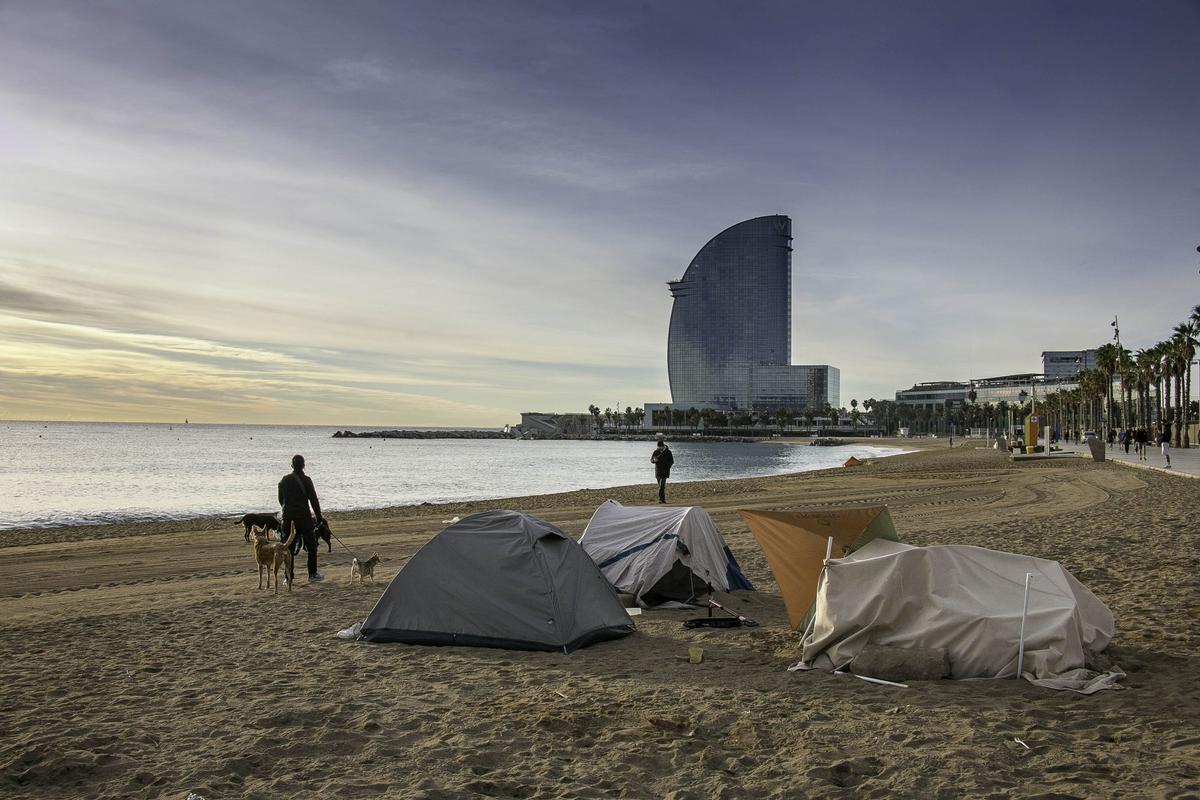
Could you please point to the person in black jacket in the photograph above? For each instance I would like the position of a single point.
(1141, 438)
(1164, 441)
(662, 459)
(296, 494)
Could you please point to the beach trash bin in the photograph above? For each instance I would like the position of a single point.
(1096, 445)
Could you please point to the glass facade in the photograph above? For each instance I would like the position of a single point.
(1066, 364)
(732, 311)
(793, 387)
(730, 344)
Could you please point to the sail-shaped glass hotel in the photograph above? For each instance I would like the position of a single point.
(730, 337)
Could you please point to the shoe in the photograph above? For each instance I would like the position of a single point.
(317, 578)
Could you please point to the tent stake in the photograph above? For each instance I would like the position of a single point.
(1024, 613)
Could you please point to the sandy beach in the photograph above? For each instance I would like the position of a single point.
(141, 661)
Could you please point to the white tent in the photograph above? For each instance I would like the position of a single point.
(661, 554)
(967, 601)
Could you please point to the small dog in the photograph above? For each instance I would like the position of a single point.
(364, 569)
(264, 522)
(270, 556)
(325, 532)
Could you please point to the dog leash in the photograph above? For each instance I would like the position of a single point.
(343, 544)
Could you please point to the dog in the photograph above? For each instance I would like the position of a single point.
(364, 569)
(270, 556)
(265, 522)
(324, 532)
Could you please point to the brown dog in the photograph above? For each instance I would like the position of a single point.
(364, 569)
(271, 556)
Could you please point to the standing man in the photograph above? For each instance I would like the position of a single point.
(662, 459)
(296, 494)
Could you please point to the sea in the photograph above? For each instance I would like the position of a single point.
(87, 473)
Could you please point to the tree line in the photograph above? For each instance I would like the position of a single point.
(1154, 387)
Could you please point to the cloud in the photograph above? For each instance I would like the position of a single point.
(474, 207)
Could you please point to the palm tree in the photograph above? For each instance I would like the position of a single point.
(1128, 382)
(1145, 376)
(1107, 358)
(1185, 346)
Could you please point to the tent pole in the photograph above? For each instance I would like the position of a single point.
(1024, 613)
(828, 548)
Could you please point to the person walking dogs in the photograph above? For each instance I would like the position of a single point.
(662, 459)
(296, 494)
(1164, 441)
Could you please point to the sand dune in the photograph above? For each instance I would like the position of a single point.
(144, 663)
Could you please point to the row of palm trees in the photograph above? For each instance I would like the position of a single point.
(1155, 386)
(629, 418)
(886, 415)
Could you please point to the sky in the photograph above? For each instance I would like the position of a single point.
(447, 213)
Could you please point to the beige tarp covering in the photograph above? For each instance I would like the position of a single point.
(966, 601)
(794, 543)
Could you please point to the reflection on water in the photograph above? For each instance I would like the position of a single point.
(75, 473)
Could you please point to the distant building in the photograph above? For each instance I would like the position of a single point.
(934, 394)
(988, 391)
(729, 344)
(1060, 365)
(1008, 388)
(550, 426)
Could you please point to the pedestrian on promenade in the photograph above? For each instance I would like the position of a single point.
(1164, 441)
(1127, 439)
(1141, 437)
(296, 494)
(662, 459)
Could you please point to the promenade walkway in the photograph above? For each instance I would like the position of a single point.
(1183, 462)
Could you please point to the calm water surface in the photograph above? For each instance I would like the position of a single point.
(62, 473)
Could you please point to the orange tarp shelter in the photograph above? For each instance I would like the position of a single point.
(852, 462)
(794, 543)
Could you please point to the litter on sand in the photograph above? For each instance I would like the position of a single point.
(881, 681)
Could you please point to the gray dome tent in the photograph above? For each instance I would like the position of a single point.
(499, 579)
